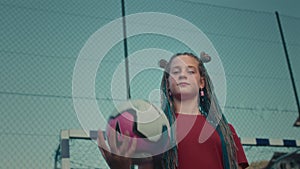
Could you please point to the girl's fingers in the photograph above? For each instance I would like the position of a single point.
(126, 146)
(113, 158)
(102, 145)
(132, 147)
(125, 143)
(113, 142)
(101, 140)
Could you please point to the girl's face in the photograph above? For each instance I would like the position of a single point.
(184, 79)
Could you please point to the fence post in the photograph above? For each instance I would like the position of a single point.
(297, 123)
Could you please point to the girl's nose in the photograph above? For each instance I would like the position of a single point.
(182, 75)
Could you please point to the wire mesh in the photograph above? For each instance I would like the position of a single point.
(41, 41)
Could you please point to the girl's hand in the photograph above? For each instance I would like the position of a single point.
(117, 157)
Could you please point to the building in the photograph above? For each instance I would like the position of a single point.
(284, 161)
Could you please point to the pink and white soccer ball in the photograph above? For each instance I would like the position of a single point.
(143, 121)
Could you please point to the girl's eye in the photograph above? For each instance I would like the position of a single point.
(191, 71)
(175, 72)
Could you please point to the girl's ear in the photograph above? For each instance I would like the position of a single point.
(202, 83)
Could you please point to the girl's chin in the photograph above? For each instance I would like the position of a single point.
(187, 95)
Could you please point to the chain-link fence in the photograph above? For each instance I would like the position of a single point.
(41, 42)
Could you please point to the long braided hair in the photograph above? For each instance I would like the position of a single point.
(208, 106)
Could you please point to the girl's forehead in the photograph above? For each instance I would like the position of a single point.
(184, 60)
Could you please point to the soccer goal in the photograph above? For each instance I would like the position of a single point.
(78, 150)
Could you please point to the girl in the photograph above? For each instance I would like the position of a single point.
(201, 136)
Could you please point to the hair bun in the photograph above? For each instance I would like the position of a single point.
(204, 57)
(162, 63)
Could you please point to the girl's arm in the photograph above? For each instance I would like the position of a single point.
(154, 162)
(146, 166)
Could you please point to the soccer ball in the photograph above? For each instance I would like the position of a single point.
(142, 120)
